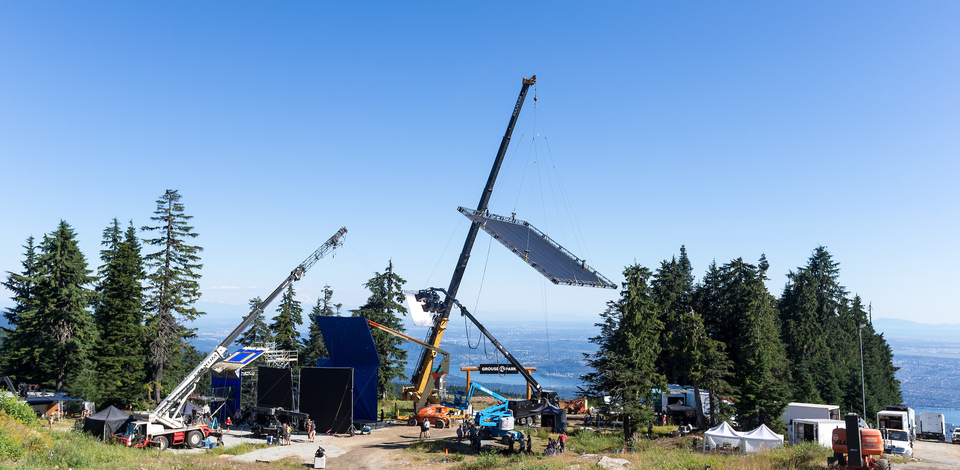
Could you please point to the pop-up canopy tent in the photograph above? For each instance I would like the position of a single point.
(761, 438)
(754, 441)
(721, 435)
(106, 422)
(552, 417)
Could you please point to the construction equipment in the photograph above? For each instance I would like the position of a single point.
(421, 373)
(522, 409)
(414, 417)
(857, 448)
(575, 406)
(165, 425)
(496, 421)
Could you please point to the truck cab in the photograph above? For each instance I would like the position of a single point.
(897, 442)
(956, 435)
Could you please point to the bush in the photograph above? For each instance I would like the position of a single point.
(17, 439)
(18, 410)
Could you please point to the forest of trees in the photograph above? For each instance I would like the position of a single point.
(728, 335)
(121, 336)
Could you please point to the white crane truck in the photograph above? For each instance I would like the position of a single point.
(164, 426)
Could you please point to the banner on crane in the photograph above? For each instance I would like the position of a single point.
(498, 369)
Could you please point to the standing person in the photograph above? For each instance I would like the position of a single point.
(523, 443)
(228, 423)
(287, 432)
(426, 428)
(313, 430)
(563, 441)
(460, 434)
(530, 445)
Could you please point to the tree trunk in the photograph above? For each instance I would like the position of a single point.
(157, 380)
(698, 403)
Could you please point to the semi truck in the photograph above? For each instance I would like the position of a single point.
(932, 426)
(166, 426)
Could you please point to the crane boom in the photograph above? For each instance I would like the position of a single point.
(420, 375)
(168, 411)
(537, 389)
(444, 363)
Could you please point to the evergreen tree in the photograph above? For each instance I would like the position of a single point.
(118, 313)
(289, 316)
(624, 365)
(745, 320)
(314, 348)
(385, 302)
(16, 342)
(60, 332)
(810, 306)
(259, 332)
(173, 286)
(672, 288)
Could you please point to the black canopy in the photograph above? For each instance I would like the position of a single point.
(552, 417)
(106, 422)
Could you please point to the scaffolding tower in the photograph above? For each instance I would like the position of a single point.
(276, 358)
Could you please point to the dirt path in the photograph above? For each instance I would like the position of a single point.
(933, 456)
(378, 449)
(372, 451)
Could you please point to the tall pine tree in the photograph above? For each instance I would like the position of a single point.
(314, 348)
(289, 317)
(173, 286)
(810, 306)
(624, 365)
(60, 333)
(383, 306)
(672, 288)
(118, 313)
(23, 286)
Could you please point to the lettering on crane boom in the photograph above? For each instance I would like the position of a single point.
(498, 369)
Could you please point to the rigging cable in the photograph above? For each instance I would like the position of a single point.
(427, 283)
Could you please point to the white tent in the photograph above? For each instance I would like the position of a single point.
(720, 435)
(761, 438)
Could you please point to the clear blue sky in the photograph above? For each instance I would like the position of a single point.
(734, 129)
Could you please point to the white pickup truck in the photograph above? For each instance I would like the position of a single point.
(956, 435)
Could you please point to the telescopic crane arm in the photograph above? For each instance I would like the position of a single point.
(168, 411)
(444, 363)
(432, 303)
(436, 332)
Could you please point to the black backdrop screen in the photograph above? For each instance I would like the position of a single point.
(326, 394)
(274, 388)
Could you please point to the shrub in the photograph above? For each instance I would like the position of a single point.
(17, 409)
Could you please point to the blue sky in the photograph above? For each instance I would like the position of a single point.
(733, 129)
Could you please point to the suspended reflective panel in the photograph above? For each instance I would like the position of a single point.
(539, 251)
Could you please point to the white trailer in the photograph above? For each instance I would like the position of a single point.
(899, 418)
(810, 411)
(932, 426)
(813, 430)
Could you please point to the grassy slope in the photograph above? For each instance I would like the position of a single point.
(45, 449)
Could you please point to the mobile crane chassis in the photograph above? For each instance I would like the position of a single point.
(165, 426)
